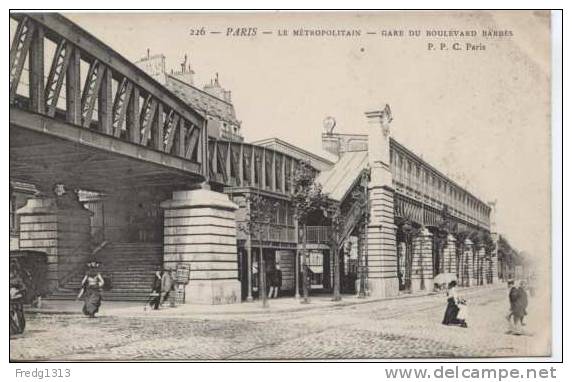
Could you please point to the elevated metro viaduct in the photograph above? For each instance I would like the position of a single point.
(138, 165)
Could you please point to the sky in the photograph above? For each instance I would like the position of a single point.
(480, 116)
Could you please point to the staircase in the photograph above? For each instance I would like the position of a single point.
(350, 220)
(131, 267)
(338, 183)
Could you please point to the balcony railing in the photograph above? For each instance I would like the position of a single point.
(317, 234)
(277, 233)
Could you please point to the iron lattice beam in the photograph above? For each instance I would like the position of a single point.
(164, 120)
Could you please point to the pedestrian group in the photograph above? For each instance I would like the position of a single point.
(163, 285)
(456, 312)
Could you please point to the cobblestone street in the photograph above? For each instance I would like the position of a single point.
(398, 328)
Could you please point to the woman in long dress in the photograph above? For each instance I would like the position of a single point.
(91, 290)
(452, 310)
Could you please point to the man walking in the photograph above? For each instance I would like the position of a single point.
(518, 304)
(275, 282)
(512, 290)
(155, 296)
(167, 284)
(523, 301)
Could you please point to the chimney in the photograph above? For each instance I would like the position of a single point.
(186, 74)
(227, 96)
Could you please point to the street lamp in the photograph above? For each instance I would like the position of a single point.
(260, 231)
(362, 267)
(361, 196)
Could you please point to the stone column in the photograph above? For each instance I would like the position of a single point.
(363, 261)
(480, 254)
(200, 231)
(475, 268)
(494, 255)
(488, 271)
(422, 269)
(461, 265)
(381, 246)
(296, 261)
(60, 227)
(461, 268)
(468, 255)
(476, 262)
(493, 263)
(449, 253)
(249, 271)
(402, 253)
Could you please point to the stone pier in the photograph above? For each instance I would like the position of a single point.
(422, 268)
(60, 227)
(450, 255)
(479, 265)
(200, 232)
(468, 263)
(381, 243)
(494, 272)
(381, 247)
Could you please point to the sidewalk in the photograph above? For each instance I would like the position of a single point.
(280, 305)
(402, 327)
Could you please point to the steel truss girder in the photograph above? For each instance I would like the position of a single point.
(18, 53)
(165, 122)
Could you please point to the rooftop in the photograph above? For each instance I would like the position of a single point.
(204, 102)
(339, 180)
(298, 152)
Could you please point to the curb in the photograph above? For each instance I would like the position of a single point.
(309, 307)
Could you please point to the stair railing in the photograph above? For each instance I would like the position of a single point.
(81, 266)
(98, 249)
(352, 218)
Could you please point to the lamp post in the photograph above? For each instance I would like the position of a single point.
(304, 262)
(249, 262)
(336, 244)
(297, 261)
(362, 266)
(262, 270)
(361, 196)
(262, 214)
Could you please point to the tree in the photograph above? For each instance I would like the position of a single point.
(307, 197)
(259, 214)
(335, 216)
(508, 257)
(409, 231)
(360, 197)
(441, 233)
(462, 273)
(481, 240)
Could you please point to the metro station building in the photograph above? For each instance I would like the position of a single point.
(138, 167)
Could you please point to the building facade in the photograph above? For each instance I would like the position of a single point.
(213, 101)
